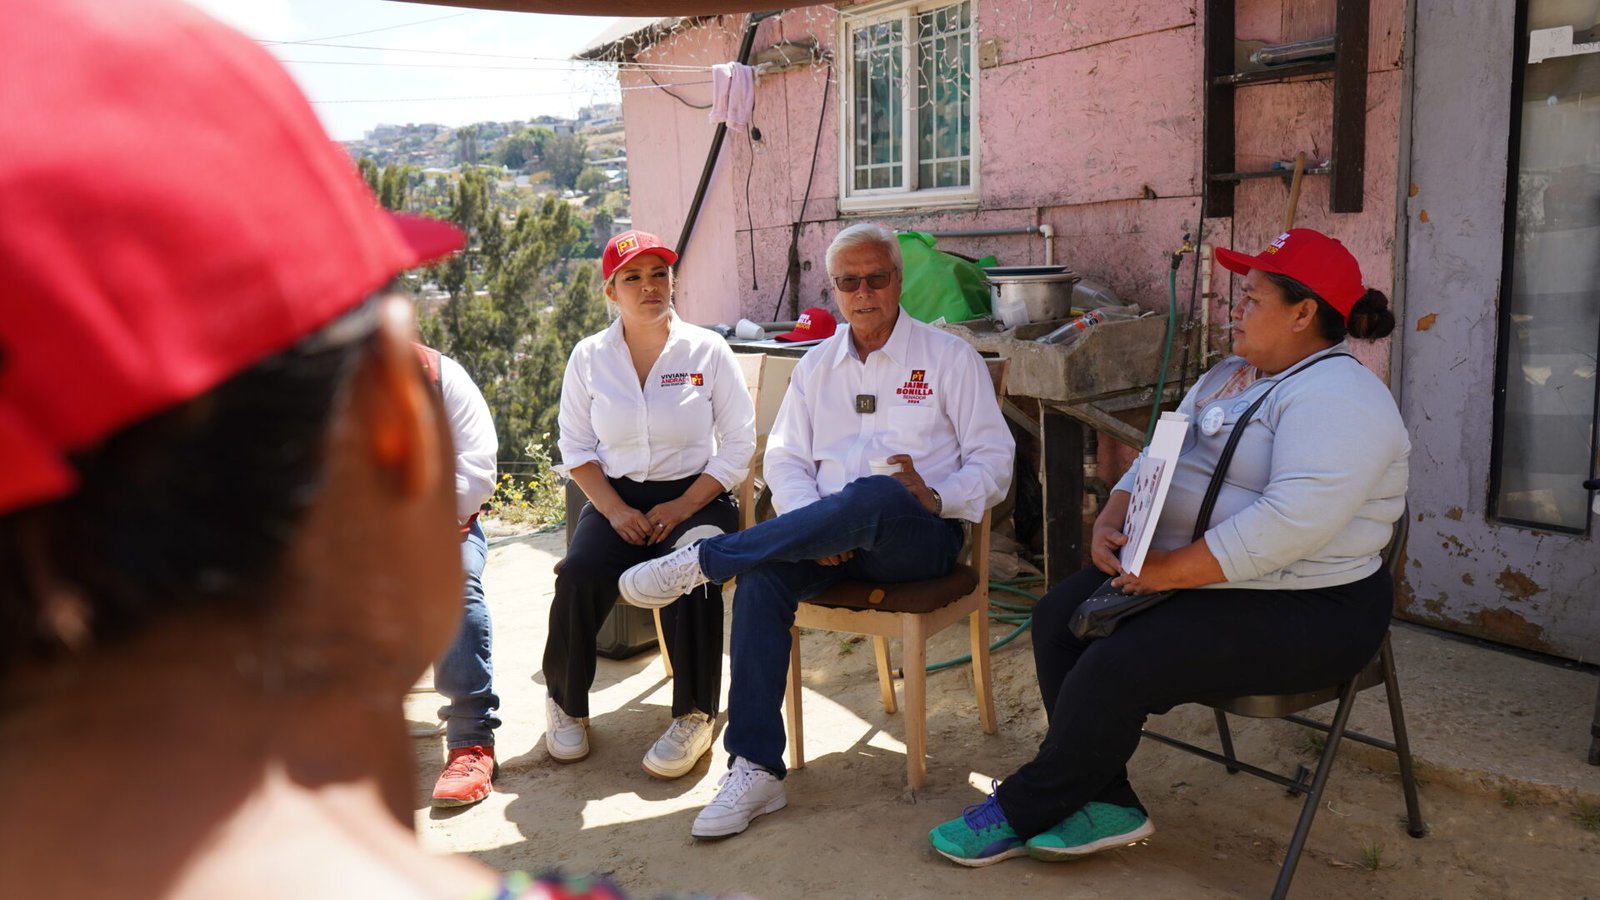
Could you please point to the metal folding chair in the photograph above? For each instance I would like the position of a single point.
(1289, 706)
(1593, 484)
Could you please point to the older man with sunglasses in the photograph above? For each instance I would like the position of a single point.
(888, 392)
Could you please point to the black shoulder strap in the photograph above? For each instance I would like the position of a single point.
(1203, 521)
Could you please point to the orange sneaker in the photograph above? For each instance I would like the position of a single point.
(466, 776)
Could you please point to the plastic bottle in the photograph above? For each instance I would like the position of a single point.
(1090, 294)
(1069, 332)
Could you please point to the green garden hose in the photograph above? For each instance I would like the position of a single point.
(1018, 614)
(1172, 330)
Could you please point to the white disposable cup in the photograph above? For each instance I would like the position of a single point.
(749, 330)
(882, 466)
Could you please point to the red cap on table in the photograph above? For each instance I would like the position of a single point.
(815, 324)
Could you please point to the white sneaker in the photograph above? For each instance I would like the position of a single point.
(680, 747)
(746, 791)
(660, 581)
(565, 737)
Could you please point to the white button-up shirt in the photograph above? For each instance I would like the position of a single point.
(693, 415)
(933, 400)
(472, 431)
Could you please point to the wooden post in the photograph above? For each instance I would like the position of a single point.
(1061, 440)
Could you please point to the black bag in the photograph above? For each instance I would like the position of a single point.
(1099, 614)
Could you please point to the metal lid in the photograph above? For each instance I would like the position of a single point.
(1032, 275)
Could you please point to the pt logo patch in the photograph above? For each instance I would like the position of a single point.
(626, 245)
(916, 390)
(1277, 244)
(678, 379)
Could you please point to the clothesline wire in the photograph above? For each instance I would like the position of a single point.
(567, 93)
(334, 37)
(481, 55)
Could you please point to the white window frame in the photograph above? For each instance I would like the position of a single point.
(865, 200)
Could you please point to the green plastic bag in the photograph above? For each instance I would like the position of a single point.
(939, 284)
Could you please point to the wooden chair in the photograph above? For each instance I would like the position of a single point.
(753, 365)
(1289, 706)
(912, 611)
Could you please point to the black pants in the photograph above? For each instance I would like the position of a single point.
(1199, 644)
(586, 589)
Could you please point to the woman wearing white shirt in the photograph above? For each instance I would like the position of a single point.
(656, 428)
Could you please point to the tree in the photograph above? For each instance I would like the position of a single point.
(495, 322)
(590, 180)
(467, 145)
(522, 148)
(564, 157)
(394, 185)
(369, 171)
(600, 226)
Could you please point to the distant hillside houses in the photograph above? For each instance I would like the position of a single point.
(430, 145)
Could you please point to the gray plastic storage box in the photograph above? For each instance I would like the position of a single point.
(627, 630)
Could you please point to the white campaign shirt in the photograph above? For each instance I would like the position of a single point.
(472, 430)
(694, 414)
(933, 400)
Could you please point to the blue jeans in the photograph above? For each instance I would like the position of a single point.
(893, 538)
(465, 675)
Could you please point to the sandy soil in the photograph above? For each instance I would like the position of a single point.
(852, 829)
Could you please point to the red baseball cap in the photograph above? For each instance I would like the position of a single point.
(627, 245)
(815, 324)
(1310, 257)
(174, 213)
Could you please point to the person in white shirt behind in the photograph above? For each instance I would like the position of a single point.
(464, 675)
(887, 387)
(656, 428)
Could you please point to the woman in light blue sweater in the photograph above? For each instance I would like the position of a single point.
(1285, 591)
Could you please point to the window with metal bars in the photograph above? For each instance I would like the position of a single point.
(909, 107)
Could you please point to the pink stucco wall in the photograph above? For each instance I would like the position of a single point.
(1090, 122)
(667, 145)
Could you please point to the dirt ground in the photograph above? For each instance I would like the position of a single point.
(852, 829)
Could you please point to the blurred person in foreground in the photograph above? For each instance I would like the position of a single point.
(227, 531)
(1286, 590)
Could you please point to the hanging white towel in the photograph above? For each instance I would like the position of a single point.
(733, 93)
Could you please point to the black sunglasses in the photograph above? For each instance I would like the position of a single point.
(849, 284)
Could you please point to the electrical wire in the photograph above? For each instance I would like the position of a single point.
(805, 200)
(334, 37)
(521, 56)
(664, 89)
(573, 92)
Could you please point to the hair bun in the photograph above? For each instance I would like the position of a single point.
(1370, 318)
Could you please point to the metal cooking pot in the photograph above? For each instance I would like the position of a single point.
(1034, 294)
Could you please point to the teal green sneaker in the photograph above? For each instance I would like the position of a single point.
(981, 837)
(1096, 827)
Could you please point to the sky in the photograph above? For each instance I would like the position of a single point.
(478, 65)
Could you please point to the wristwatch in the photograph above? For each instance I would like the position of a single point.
(938, 502)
